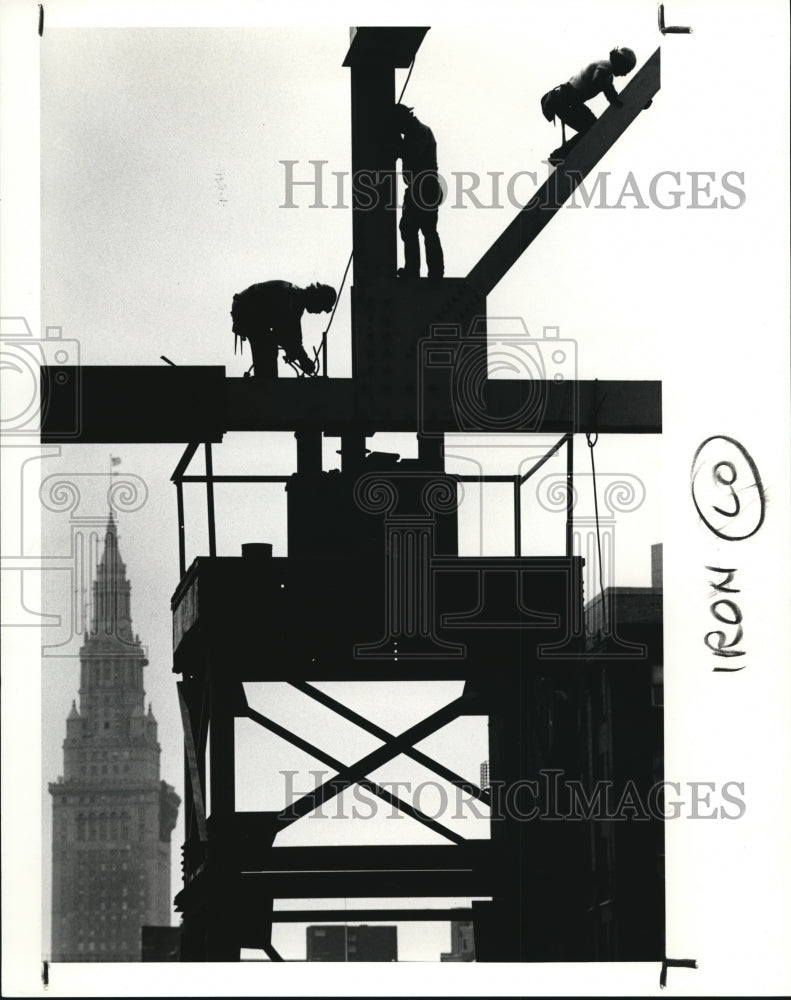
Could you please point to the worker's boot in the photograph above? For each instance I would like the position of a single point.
(434, 256)
(411, 268)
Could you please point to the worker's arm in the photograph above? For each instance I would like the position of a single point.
(288, 334)
(421, 142)
(612, 94)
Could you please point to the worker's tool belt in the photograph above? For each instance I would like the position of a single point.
(559, 99)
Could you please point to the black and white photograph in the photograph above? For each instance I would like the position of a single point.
(395, 488)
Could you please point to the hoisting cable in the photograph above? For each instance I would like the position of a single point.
(290, 363)
(411, 67)
(591, 446)
(320, 348)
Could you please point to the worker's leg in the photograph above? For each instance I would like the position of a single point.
(577, 116)
(428, 197)
(435, 259)
(264, 350)
(409, 227)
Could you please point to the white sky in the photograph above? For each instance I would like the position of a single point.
(160, 195)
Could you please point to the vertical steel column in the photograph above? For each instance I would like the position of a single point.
(182, 540)
(309, 457)
(517, 516)
(178, 479)
(224, 881)
(570, 496)
(373, 170)
(431, 452)
(210, 499)
(353, 452)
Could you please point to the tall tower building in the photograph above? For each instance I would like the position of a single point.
(112, 816)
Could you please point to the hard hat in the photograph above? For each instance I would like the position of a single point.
(325, 295)
(626, 59)
(402, 113)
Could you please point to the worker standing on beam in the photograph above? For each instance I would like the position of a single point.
(420, 212)
(567, 101)
(269, 315)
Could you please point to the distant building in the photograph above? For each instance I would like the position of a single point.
(462, 941)
(621, 713)
(112, 816)
(485, 778)
(338, 943)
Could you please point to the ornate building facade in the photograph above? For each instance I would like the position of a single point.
(112, 815)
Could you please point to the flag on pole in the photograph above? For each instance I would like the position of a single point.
(114, 460)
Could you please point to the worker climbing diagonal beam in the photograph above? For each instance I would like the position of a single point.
(597, 140)
(567, 102)
(341, 781)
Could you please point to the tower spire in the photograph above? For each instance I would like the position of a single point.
(110, 795)
(112, 617)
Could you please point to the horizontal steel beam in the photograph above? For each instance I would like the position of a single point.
(95, 404)
(365, 885)
(368, 916)
(469, 856)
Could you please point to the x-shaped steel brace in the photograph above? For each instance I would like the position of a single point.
(356, 773)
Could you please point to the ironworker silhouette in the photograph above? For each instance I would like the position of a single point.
(269, 315)
(567, 101)
(420, 211)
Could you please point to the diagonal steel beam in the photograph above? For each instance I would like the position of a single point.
(335, 785)
(184, 461)
(417, 755)
(541, 209)
(545, 458)
(382, 755)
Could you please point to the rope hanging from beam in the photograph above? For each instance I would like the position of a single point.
(591, 446)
